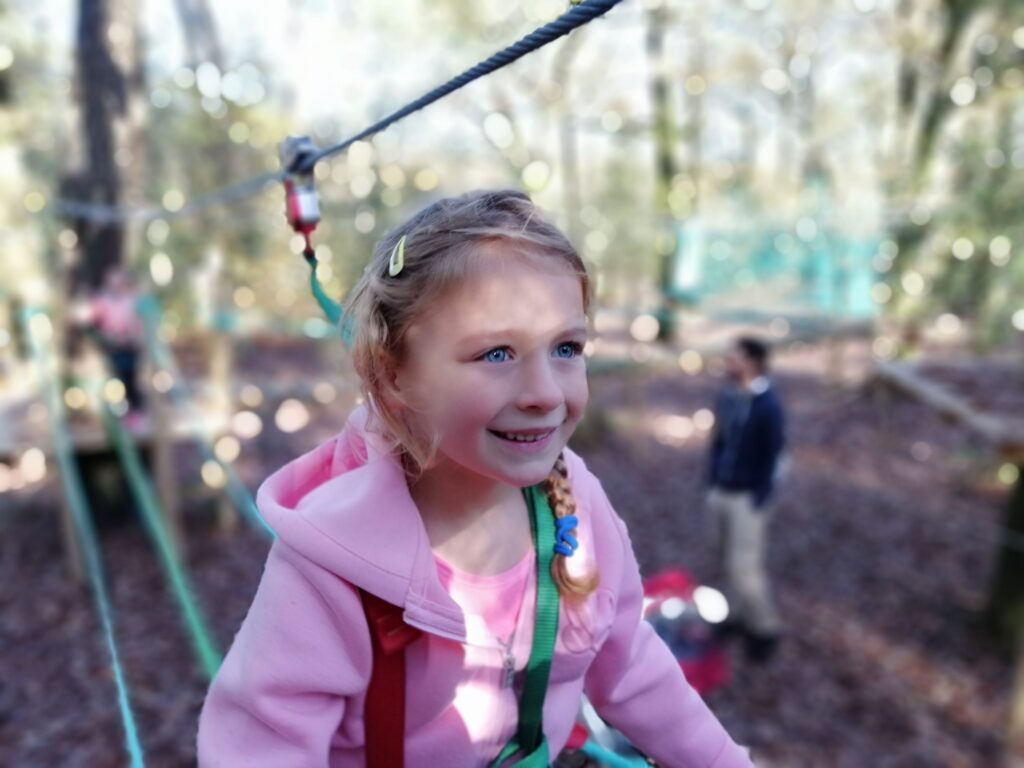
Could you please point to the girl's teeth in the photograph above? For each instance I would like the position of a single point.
(522, 438)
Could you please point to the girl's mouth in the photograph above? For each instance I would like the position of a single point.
(530, 436)
(526, 441)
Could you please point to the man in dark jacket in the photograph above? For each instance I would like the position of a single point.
(745, 450)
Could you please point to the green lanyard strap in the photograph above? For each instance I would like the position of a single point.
(529, 738)
(332, 310)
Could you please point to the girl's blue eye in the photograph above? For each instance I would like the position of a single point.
(496, 355)
(569, 350)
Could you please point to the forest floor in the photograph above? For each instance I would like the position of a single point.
(881, 548)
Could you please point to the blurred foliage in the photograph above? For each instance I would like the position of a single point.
(906, 112)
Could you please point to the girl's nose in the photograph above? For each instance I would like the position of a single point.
(540, 388)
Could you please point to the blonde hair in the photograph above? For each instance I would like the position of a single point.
(442, 243)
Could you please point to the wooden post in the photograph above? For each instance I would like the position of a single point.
(162, 437)
(220, 371)
(221, 359)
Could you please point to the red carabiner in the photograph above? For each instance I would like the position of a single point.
(302, 206)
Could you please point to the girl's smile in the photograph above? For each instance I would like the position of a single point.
(526, 441)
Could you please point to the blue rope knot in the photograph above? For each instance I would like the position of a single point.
(566, 543)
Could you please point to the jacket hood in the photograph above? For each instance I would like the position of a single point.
(346, 507)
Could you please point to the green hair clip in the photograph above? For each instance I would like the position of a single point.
(397, 261)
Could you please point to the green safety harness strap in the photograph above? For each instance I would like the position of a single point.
(529, 739)
(145, 497)
(78, 507)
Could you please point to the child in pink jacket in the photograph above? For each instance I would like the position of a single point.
(469, 327)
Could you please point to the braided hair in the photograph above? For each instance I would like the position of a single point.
(570, 586)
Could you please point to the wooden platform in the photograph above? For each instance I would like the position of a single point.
(24, 424)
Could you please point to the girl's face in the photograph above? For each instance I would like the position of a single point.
(496, 370)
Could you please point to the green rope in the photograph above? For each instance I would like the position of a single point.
(608, 759)
(238, 493)
(74, 492)
(146, 499)
(332, 310)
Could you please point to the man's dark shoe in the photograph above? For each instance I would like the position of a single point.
(761, 648)
(728, 630)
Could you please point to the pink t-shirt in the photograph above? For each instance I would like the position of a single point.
(116, 317)
(494, 600)
(499, 637)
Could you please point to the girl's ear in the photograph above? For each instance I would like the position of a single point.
(390, 390)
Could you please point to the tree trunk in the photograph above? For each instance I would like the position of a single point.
(200, 32)
(562, 74)
(924, 105)
(1005, 611)
(1015, 731)
(107, 73)
(665, 166)
(1006, 617)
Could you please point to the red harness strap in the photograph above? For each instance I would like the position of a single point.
(384, 716)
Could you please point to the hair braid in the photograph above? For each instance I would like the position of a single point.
(562, 503)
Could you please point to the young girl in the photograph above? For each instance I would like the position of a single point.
(468, 332)
(114, 316)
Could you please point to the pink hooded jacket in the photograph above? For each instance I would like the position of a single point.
(291, 690)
